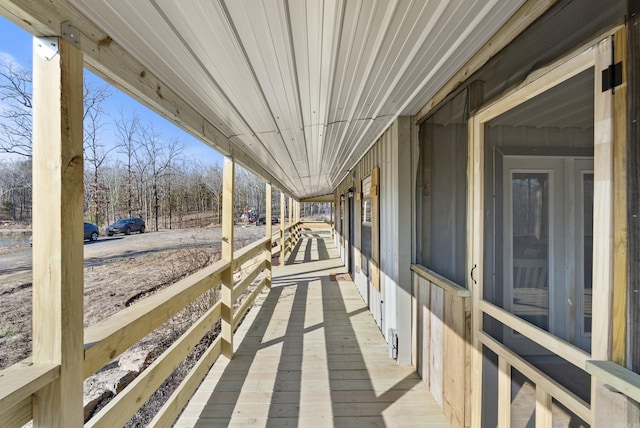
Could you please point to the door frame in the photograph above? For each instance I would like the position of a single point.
(566, 199)
(598, 55)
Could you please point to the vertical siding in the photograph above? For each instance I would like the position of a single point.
(383, 154)
(391, 154)
(388, 227)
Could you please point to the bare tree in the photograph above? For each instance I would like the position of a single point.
(15, 111)
(15, 189)
(159, 158)
(128, 135)
(213, 181)
(94, 150)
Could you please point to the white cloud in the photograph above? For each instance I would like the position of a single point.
(7, 58)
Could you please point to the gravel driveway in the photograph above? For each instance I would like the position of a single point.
(15, 259)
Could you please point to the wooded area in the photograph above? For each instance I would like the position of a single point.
(130, 168)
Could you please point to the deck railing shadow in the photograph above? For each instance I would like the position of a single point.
(340, 370)
(107, 339)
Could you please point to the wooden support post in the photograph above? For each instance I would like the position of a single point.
(269, 229)
(331, 217)
(633, 186)
(296, 220)
(544, 404)
(620, 220)
(227, 256)
(603, 214)
(57, 229)
(290, 210)
(283, 212)
(290, 244)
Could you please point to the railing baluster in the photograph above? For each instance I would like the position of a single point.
(544, 403)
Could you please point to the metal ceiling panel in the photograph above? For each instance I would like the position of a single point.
(302, 87)
(421, 86)
(263, 30)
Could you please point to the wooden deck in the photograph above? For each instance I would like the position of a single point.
(310, 355)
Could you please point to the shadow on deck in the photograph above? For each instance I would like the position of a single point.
(310, 354)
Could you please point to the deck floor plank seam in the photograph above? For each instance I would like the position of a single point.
(310, 354)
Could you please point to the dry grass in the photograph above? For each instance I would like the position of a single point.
(111, 284)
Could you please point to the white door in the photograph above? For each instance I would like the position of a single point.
(547, 246)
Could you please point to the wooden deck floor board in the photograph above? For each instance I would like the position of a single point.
(310, 354)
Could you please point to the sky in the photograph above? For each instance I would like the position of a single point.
(16, 44)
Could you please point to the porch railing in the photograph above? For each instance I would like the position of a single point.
(546, 387)
(21, 383)
(289, 237)
(443, 346)
(442, 341)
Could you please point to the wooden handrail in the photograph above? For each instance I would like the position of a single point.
(119, 410)
(18, 415)
(247, 253)
(566, 350)
(239, 288)
(242, 310)
(109, 338)
(566, 397)
(172, 408)
(617, 377)
(442, 282)
(21, 380)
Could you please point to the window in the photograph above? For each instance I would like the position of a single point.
(366, 224)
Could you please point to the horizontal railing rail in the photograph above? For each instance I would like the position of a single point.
(563, 349)
(546, 387)
(288, 239)
(107, 339)
(239, 314)
(247, 253)
(119, 410)
(18, 383)
(616, 377)
(543, 383)
(441, 281)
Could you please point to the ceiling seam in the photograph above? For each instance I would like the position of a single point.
(343, 158)
(410, 99)
(234, 31)
(295, 69)
(488, 7)
(379, 42)
(335, 48)
(212, 80)
(337, 138)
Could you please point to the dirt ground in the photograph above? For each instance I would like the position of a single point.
(118, 271)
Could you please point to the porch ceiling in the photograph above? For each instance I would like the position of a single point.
(298, 89)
